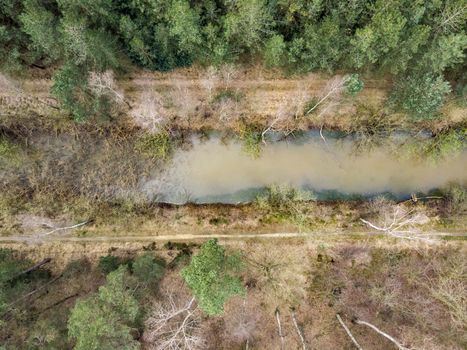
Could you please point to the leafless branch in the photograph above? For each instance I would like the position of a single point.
(397, 221)
(299, 331)
(149, 112)
(64, 228)
(387, 336)
(241, 323)
(333, 88)
(279, 326)
(452, 17)
(265, 131)
(210, 81)
(173, 326)
(348, 332)
(103, 83)
(35, 267)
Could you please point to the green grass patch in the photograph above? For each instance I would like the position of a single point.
(10, 153)
(156, 146)
(228, 94)
(454, 238)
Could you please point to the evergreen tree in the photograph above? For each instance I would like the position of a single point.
(211, 277)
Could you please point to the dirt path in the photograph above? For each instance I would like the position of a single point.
(197, 237)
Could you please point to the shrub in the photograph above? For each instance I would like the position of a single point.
(420, 96)
(69, 87)
(274, 51)
(444, 145)
(106, 320)
(284, 203)
(108, 263)
(252, 141)
(456, 195)
(310, 104)
(147, 268)
(353, 84)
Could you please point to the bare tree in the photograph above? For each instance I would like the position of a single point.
(228, 109)
(347, 330)
(280, 274)
(279, 328)
(298, 329)
(450, 288)
(400, 222)
(149, 112)
(229, 72)
(184, 99)
(173, 325)
(241, 322)
(103, 83)
(332, 91)
(282, 114)
(387, 336)
(210, 81)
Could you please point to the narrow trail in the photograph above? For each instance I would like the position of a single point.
(193, 237)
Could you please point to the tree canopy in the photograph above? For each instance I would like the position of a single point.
(105, 321)
(400, 37)
(211, 277)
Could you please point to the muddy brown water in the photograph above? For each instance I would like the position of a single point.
(214, 171)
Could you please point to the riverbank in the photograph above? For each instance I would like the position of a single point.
(228, 98)
(53, 168)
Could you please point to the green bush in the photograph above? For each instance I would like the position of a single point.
(147, 268)
(252, 140)
(353, 84)
(456, 195)
(420, 96)
(106, 320)
(108, 263)
(274, 51)
(70, 88)
(310, 104)
(284, 203)
(444, 145)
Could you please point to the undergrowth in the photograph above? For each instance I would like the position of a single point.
(156, 146)
(282, 203)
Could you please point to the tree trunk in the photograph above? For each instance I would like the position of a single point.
(281, 335)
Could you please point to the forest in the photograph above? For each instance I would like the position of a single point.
(233, 174)
(420, 44)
